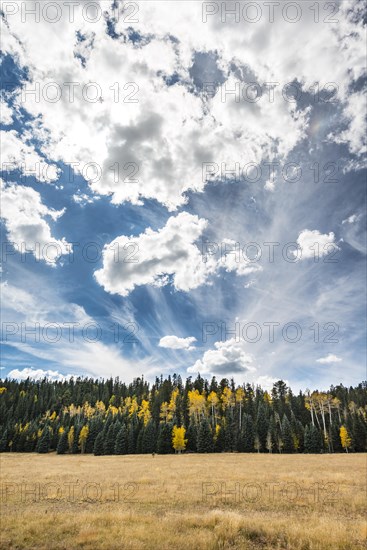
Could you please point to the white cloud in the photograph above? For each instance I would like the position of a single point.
(38, 374)
(329, 359)
(174, 342)
(355, 114)
(6, 113)
(16, 154)
(351, 219)
(313, 244)
(228, 357)
(233, 259)
(155, 256)
(24, 213)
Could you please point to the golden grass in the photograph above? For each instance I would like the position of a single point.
(184, 502)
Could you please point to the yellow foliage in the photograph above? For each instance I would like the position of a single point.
(178, 438)
(164, 411)
(216, 433)
(227, 398)
(113, 410)
(133, 409)
(345, 438)
(3, 390)
(144, 412)
(71, 437)
(196, 404)
(100, 406)
(83, 436)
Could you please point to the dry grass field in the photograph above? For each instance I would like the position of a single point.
(183, 502)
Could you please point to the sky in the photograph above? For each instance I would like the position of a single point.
(184, 190)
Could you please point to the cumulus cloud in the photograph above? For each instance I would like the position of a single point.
(156, 258)
(355, 134)
(38, 374)
(174, 342)
(16, 154)
(233, 259)
(23, 213)
(329, 359)
(6, 113)
(313, 244)
(228, 357)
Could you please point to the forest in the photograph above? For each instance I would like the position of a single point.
(104, 417)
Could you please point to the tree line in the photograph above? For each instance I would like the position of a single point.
(103, 417)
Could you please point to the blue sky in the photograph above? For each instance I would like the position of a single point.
(231, 241)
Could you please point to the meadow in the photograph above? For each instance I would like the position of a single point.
(183, 502)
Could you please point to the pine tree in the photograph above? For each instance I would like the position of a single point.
(192, 435)
(312, 439)
(4, 442)
(262, 426)
(98, 445)
(131, 439)
(93, 432)
(164, 442)
(230, 432)
(139, 441)
(307, 440)
(287, 438)
(121, 442)
(62, 445)
(75, 445)
(247, 437)
(109, 441)
(335, 438)
(359, 434)
(205, 442)
(149, 438)
(45, 440)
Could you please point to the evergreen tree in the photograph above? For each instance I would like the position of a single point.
(307, 440)
(192, 435)
(205, 442)
(4, 442)
(247, 437)
(359, 434)
(45, 440)
(219, 441)
(313, 440)
(139, 441)
(149, 438)
(98, 445)
(121, 442)
(131, 439)
(93, 432)
(62, 445)
(75, 446)
(288, 446)
(335, 438)
(164, 442)
(262, 426)
(109, 441)
(230, 432)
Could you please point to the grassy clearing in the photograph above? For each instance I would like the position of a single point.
(186, 502)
